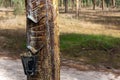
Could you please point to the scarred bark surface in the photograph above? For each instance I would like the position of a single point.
(43, 33)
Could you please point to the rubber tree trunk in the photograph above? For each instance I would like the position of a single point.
(61, 2)
(80, 4)
(73, 4)
(113, 3)
(94, 4)
(77, 8)
(37, 34)
(87, 3)
(103, 4)
(70, 4)
(10, 3)
(108, 2)
(66, 5)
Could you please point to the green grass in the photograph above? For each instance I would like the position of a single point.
(91, 49)
(68, 41)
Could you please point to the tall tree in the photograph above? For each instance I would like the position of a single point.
(66, 5)
(113, 3)
(94, 4)
(103, 4)
(107, 2)
(80, 4)
(42, 29)
(87, 3)
(73, 4)
(77, 8)
(61, 3)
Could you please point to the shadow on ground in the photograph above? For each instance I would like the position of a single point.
(96, 50)
(12, 41)
(101, 18)
(110, 17)
(90, 49)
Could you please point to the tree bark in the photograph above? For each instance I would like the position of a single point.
(48, 35)
(113, 3)
(77, 8)
(80, 4)
(62, 3)
(73, 4)
(87, 3)
(66, 6)
(103, 4)
(94, 4)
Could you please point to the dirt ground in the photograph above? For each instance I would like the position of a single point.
(14, 71)
(91, 22)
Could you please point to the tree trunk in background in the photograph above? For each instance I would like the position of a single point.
(80, 4)
(10, 3)
(87, 3)
(113, 3)
(62, 3)
(103, 4)
(107, 3)
(94, 4)
(70, 3)
(37, 34)
(66, 6)
(73, 4)
(77, 8)
(59, 3)
(99, 4)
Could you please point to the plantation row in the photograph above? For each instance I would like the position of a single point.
(18, 5)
